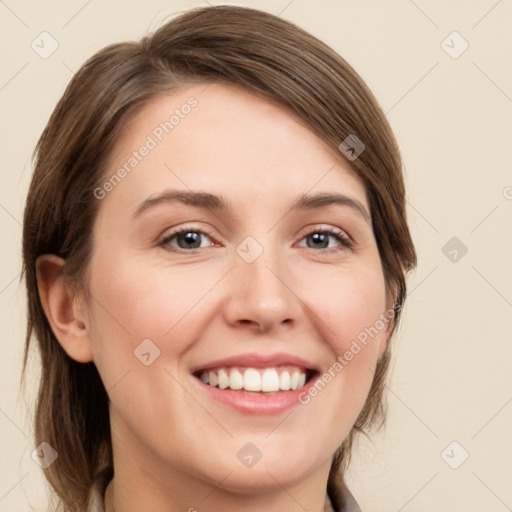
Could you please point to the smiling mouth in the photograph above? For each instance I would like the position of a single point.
(257, 380)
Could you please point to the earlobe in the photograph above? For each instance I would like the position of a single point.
(68, 322)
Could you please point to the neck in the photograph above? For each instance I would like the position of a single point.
(111, 507)
(134, 488)
(143, 480)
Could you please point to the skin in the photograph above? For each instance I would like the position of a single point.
(175, 449)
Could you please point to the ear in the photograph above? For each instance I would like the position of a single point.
(67, 320)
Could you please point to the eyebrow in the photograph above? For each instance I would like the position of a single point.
(213, 202)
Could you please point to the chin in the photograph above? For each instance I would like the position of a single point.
(261, 479)
(263, 466)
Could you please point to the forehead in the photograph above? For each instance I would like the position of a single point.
(225, 140)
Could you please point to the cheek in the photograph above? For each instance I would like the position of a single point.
(137, 302)
(147, 302)
(347, 304)
(353, 313)
(349, 315)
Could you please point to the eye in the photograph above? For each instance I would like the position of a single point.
(320, 239)
(186, 238)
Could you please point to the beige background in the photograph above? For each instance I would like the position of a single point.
(451, 379)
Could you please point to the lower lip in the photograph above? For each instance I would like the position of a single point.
(257, 404)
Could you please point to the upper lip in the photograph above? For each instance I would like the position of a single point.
(254, 360)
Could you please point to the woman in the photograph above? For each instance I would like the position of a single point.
(215, 248)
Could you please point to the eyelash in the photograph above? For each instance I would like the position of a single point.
(343, 239)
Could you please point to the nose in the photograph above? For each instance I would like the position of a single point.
(261, 294)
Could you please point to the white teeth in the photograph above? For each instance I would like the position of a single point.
(236, 380)
(284, 381)
(252, 380)
(294, 380)
(268, 380)
(223, 379)
(212, 378)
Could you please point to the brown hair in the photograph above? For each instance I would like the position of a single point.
(240, 46)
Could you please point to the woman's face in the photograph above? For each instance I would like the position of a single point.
(256, 292)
